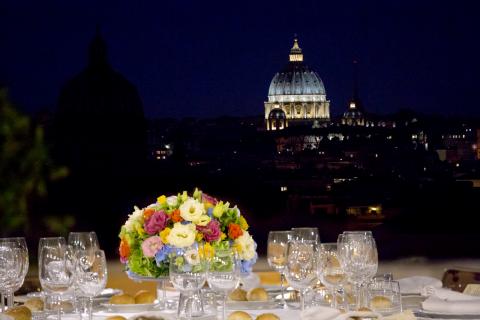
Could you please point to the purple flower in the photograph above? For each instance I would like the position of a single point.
(156, 222)
(247, 265)
(210, 199)
(211, 232)
(162, 254)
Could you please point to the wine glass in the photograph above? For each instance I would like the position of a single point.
(330, 270)
(359, 258)
(55, 268)
(223, 274)
(91, 277)
(306, 234)
(82, 241)
(301, 266)
(12, 267)
(188, 273)
(277, 255)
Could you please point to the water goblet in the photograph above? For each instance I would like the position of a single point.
(188, 272)
(17, 272)
(301, 266)
(91, 275)
(82, 241)
(330, 270)
(55, 268)
(223, 274)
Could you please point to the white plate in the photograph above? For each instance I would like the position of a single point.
(120, 308)
(251, 305)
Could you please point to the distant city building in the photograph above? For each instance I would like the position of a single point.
(296, 95)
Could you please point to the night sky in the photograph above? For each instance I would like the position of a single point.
(205, 58)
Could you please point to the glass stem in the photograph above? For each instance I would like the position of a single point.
(358, 292)
(161, 294)
(302, 299)
(9, 295)
(334, 297)
(224, 307)
(282, 288)
(90, 307)
(59, 307)
(2, 302)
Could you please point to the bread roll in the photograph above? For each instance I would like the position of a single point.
(19, 313)
(257, 294)
(34, 304)
(144, 297)
(123, 298)
(238, 295)
(116, 318)
(380, 302)
(267, 316)
(365, 309)
(239, 315)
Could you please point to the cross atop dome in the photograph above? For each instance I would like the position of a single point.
(296, 54)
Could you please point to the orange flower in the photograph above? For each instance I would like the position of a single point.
(234, 231)
(147, 213)
(176, 216)
(124, 249)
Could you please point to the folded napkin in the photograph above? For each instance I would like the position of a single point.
(327, 313)
(416, 284)
(448, 301)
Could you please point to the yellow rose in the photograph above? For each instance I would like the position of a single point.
(162, 199)
(222, 236)
(164, 234)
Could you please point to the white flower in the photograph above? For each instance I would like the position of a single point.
(172, 200)
(136, 216)
(182, 235)
(191, 210)
(192, 257)
(245, 246)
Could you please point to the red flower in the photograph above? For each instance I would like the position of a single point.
(176, 216)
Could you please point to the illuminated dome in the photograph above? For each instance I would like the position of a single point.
(296, 82)
(296, 96)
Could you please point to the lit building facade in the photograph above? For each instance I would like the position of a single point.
(296, 95)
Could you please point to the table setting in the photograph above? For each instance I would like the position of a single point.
(199, 253)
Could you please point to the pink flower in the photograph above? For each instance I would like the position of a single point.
(156, 222)
(210, 199)
(151, 246)
(211, 231)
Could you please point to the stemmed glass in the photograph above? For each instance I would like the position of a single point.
(277, 255)
(13, 267)
(330, 270)
(301, 265)
(359, 258)
(55, 268)
(307, 233)
(91, 274)
(188, 272)
(87, 242)
(223, 274)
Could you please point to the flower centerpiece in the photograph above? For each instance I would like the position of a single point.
(180, 222)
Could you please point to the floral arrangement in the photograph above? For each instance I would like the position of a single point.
(179, 223)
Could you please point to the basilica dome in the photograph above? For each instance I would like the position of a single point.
(296, 96)
(296, 82)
